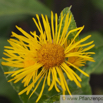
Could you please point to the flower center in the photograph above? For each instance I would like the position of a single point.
(51, 55)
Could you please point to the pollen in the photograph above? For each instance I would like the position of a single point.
(51, 55)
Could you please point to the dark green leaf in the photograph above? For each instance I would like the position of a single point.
(6, 89)
(98, 4)
(99, 69)
(28, 7)
(91, 67)
(96, 37)
(98, 41)
(3, 42)
(99, 53)
(12, 11)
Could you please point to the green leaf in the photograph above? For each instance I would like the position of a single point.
(28, 7)
(6, 89)
(9, 19)
(12, 11)
(3, 42)
(98, 4)
(98, 41)
(91, 67)
(96, 37)
(72, 26)
(99, 67)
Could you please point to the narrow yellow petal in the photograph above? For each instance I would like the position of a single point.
(42, 89)
(53, 80)
(67, 73)
(67, 86)
(61, 79)
(56, 24)
(88, 48)
(26, 89)
(82, 45)
(72, 75)
(87, 58)
(24, 32)
(70, 47)
(28, 79)
(37, 85)
(80, 29)
(13, 65)
(60, 25)
(56, 88)
(40, 29)
(66, 26)
(30, 88)
(52, 24)
(64, 94)
(20, 37)
(47, 28)
(32, 69)
(78, 69)
(58, 81)
(48, 78)
(11, 80)
(37, 25)
(37, 16)
(10, 72)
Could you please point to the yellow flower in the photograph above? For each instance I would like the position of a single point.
(47, 56)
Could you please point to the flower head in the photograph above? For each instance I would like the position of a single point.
(47, 56)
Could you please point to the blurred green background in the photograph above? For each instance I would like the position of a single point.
(20, 12)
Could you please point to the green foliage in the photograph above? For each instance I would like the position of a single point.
(3, 42)
(98, 41)
(6, 89)
(98, 4)
(99, 69)
(28, 7)
(99, 59)
(12, 11)
(92, 66)
(95, 36)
